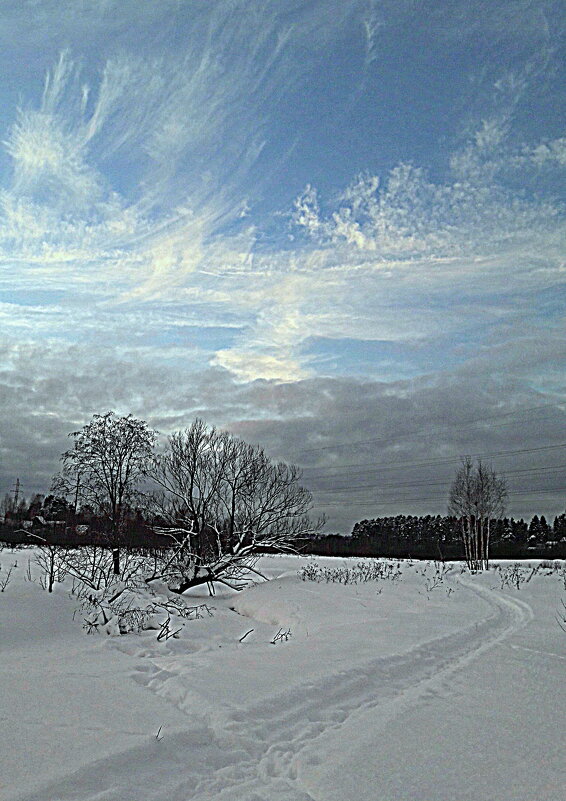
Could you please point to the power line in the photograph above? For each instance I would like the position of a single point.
(383, 495)
(338, 467)
(432, 428)
(355, 487)
(446, 460)
(487, 417)
(430, 499)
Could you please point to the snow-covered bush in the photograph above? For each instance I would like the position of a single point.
(359, 573)
(515, 575)
(555, 568)
(122, 608)
(434, 576)
(110, 603)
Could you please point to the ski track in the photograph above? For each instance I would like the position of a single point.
(255, 752)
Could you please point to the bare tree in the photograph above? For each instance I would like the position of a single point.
(477, 496)
(224, 502)
(461, 504)
(105, 466)
(7, 506)
(50, 558)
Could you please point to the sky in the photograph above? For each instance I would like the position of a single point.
(335, 228)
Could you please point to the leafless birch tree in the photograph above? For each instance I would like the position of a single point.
(477, 496)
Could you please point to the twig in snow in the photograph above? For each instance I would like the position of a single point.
(90, 626)
(281, 636)
(5, 579)
(165, 632)
(245, 635)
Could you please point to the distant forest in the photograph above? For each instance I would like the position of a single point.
(52, 519)
(439, 537)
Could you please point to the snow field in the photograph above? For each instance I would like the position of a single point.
(389, 690)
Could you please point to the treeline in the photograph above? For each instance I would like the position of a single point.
(138, 537)
(440, 537)
(54, 520)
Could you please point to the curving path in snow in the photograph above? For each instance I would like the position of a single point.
(431, 717)
(270, 742)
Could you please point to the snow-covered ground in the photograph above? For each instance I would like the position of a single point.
(388, 690)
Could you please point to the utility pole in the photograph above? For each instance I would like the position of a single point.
(16, 492)
(10, 507)
(77, 492)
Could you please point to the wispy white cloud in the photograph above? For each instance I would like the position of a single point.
(551, 153)
(130, 172)
(372, 25)
(249, 364)
(404, 259)
(140, 173)
(412, 216)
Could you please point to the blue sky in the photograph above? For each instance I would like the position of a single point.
(312, 223)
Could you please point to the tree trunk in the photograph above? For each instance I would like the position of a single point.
(197, 581)
(466, 541)
(116, 560)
